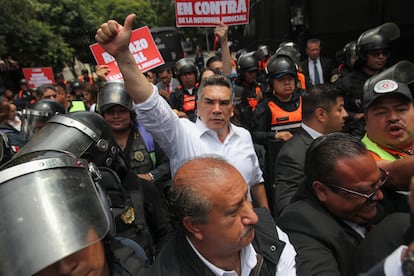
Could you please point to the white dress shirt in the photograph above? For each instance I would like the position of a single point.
(312, 71)
(183, 140)
(285, 267)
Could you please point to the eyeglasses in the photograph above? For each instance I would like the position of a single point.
(384, 178)
(377, 53)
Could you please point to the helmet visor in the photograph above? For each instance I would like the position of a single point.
(50, 209)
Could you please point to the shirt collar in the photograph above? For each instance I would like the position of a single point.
(313, 133)
(248, 261)
(204, 129)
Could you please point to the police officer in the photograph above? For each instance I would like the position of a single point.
(138, 213)
(76, 97)
(280, 112)
(145, 158)
(289, 49)
(184, 97)
(24, 97)
(263, 54)
(55, 221)
(247, 90)
(346, 58)
(372, 49)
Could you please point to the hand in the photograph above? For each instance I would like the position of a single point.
(284, 135)
(145, 176)
(101, 71)
(114, 37)
(221, 31)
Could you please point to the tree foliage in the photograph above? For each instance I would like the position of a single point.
(55, 33)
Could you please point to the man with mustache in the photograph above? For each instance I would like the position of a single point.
(389, 116)
(181, 139)
(218, 231)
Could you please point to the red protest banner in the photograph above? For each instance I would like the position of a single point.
(142, 47)
(38, 76)
(196, 13)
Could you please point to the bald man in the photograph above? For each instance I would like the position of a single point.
(218, 229)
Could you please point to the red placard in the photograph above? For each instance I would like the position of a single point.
(142, 47)
(196, 13)
(38, 76)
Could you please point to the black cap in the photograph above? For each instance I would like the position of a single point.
(384, 88)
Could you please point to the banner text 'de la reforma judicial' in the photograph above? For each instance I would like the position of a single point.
(196, 13)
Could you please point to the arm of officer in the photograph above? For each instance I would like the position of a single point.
(115, 38)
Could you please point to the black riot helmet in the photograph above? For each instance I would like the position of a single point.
(113, 93)
(290, 52)
(350, 54)
(263, 52)
(36, 116)
(85, 134)
(184, 66)
(278, 66)
(247, 62)
(240, 52)
(376, 38)
(401, 72)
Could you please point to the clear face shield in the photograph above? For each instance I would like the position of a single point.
(61, 133)
(50, 210)
(402, 71)
(33, 121)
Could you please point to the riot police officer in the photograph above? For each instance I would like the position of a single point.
(138, 213)
(184, 97)
(373, 49)
(247, 90)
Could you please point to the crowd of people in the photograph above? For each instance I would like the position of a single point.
(267, 164)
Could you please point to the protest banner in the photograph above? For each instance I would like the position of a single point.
(38, 76)
(142, 47)
(196, 13)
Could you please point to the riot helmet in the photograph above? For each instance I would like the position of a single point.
(240, 52)
(401, 72)
(184, 66)
(113, 93)
(247, 62)
(290, 52)
(51, 209)
(278, 66)
(36, 116)
(350, 54)
(85, 134)
(376, 38)
(288, 43)
(263, 52)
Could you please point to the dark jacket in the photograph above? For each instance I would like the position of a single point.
(289, 169)
(179, 259)
(327, 67)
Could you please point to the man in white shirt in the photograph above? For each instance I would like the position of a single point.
(181, 139)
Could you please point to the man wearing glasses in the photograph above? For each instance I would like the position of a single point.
(333, 212)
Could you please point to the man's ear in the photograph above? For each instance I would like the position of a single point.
(320, 190)
(320, 114)
(192, 227)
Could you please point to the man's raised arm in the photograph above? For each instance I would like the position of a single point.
(115, 38)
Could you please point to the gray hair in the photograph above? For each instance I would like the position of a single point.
(215, 80)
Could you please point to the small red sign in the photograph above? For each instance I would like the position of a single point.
(142, 47)
(196, 13)
(38, 76)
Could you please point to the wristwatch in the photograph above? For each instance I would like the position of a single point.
(151, 176)
(408, 264)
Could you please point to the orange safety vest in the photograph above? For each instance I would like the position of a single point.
(282, 119)
(254, 101)
(301, 79)
(189, 103)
